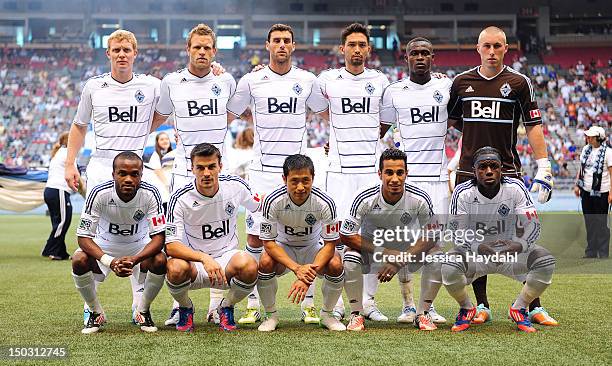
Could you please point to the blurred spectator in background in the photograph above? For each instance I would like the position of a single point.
(57, 197)
(593, 188)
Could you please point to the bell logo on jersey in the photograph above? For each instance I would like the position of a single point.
(124, 116)
(299, 231)
(116, 229)
(209, 232)
(204, 110)
(427, 115)
(484, 229)
(478, 111)
(283, 107)
(362, 106)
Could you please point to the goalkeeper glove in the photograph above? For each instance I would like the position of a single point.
(543, 181)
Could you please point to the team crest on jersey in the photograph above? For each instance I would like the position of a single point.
(438, 97)
(85, 224)
(405, 218)
(348, 225)
(370, 88)
(505, 90)
(139, 96)
(216, 90)
(249, 221)
(229, 209)
(138, 215)
(453, 225)
(310, 219)
(503, 210)
(297, 89)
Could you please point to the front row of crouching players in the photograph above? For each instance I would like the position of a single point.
(122, 230)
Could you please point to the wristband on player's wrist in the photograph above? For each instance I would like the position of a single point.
(543, 163)
(106, 260)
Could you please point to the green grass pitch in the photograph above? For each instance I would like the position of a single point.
(39, 306)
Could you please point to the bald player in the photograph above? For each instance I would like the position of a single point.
(487, 104)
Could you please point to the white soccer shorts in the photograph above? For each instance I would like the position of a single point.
(203, 281)
(261, 183)
(343, 187)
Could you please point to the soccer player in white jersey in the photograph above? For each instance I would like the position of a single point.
(120, 106)
(417, 106)
(300, 231)
(494, 217)
(277, 95)
(391, 205)
(197, 98)
(202, 241)
(121, 230)
(350, 97)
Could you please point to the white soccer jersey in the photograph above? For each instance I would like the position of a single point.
(354, 106)
(200, 115)
(419, 111)
(278, 103)
(299, 226)
(121, 113)
(111, 222)
(208, 224)
(510, 215)
(370, 212)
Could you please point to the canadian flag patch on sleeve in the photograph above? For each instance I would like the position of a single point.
(535, 113)
(159, 220)
(331, 229)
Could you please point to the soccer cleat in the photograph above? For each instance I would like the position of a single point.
(309, 315)
(185, 323)
(94, 322)
(173, 319)
(540, 316)
(407, 315)
(356, 323)
(270, 323)
(424, 322)
(483, 315)
(462, 322)
(251, 316)
(521, 318)
(145, 321)
(371, 312)
(226, 318)
(213, 317)
(328, 321)
(435, 317)
(338, 313)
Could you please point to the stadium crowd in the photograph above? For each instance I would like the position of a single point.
(39, 91)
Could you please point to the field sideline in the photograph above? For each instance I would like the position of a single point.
(39, 306)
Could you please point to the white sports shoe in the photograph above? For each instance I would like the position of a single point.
(328, 321)
(407, 315)
(371, 312)
(270, 323)
(173, 319)
(435, 317)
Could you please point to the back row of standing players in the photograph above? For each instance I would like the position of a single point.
(358, 102)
